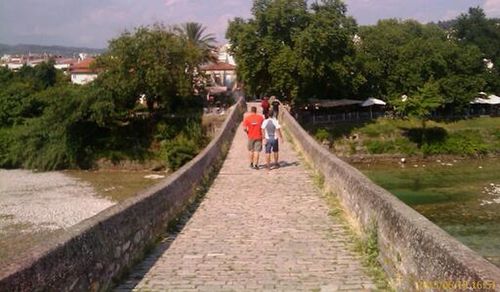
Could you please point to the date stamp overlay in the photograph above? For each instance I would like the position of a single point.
(455, 285)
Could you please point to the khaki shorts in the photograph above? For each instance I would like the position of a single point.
(254, 145)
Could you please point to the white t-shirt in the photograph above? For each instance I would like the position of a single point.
(270, 126)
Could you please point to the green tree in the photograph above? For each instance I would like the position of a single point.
(48, 124)
(399, 57)
(292, 49)
(474, 28)
(45, 74)
(50, 141)
(386, 50)
(5, 75)
(17, 103)
(325, 49)
(149, 62)
(195, 37)
(246, 45)
(421, 103)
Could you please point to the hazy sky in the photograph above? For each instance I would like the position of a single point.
(91, 23)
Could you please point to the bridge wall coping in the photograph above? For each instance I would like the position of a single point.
(412, 249)
(90, 255)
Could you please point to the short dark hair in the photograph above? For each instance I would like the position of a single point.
(253, 109)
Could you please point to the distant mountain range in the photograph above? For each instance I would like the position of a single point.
(53, 50)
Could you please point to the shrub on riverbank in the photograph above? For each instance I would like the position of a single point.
(472, 137)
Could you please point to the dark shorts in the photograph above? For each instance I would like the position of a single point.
(272, 145)
(254, 145)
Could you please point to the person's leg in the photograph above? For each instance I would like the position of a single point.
(250, 151)
(257, 149)
(250, 155)
(268, 148)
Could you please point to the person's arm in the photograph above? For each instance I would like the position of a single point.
(280, 136)
(245, 126)
(263, 131)
(278, 129)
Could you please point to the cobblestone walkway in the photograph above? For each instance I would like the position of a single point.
(256, 230)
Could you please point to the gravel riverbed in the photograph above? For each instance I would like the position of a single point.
(48, 200)
(33, 205)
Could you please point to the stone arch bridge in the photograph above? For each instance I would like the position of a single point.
(254, 230)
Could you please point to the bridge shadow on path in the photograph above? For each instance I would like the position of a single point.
(282, 164)
(140, 270)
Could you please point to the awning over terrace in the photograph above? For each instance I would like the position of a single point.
(372, 101)
(492, 100)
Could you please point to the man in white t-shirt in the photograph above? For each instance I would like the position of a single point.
(271, 127)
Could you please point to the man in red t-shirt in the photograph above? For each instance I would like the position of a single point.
(251, 125)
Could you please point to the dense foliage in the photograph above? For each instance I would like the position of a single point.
(473, 137)
(292, 49)
(302, 51)
(48, 123)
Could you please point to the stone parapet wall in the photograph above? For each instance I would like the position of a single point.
(93, 253)
(415, 253)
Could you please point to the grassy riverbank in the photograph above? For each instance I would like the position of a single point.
(471, 137)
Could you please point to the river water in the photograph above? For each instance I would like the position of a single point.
(460, 196)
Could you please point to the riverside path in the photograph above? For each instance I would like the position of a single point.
(256, 230)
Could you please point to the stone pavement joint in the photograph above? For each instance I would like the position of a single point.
(256, 230)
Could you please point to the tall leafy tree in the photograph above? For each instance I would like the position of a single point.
(149, 62)
(296, 50)
(474, 28)
(195, 36)
(422, 103)
(46, 74)
(325, 49)
(400, 57)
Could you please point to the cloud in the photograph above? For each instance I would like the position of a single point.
(451, 14)
(492, 8)
(169, 3)
(370, 11)
(93, 22)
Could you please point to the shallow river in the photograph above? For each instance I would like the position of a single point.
(462, 197)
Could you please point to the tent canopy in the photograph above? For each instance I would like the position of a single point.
(334, 102)
(372, 101)
(492, 99)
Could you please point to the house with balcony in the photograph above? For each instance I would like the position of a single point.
(221, 74)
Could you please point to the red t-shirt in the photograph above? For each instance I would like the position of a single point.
(252, 123)
(265, 105)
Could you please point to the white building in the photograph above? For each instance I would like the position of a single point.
(224, 56)
(82, 73)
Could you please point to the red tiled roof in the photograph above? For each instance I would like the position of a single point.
(83, 66)
(218, 67)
